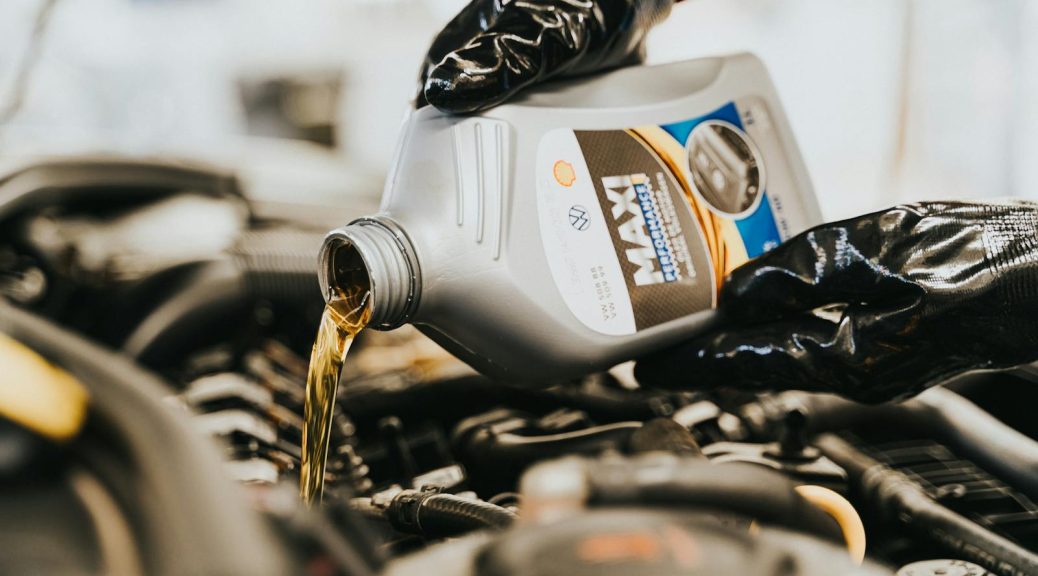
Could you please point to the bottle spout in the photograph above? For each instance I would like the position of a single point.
(375, 250)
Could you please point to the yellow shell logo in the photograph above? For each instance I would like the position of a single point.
(564, 173)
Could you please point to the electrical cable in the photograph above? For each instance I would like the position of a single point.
(438, 515)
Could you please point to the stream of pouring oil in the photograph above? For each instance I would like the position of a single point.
(344, 316)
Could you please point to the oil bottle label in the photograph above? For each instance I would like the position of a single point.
(641, 225)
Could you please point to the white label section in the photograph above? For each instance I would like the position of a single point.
(790, 201)
(577, 244)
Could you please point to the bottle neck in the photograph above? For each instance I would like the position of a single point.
(390, 261)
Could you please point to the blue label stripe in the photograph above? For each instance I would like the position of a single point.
(656, 232)
(680, 130)
(759, 231)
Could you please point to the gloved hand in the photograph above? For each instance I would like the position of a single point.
(874, 308)
(495, 48)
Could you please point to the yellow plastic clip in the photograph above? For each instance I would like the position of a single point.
(39, 395)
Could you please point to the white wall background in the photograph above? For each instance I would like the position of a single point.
(891, 100)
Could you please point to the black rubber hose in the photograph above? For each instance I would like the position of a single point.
(942, 415)
(899, 499)
(454, 399)
(435, 515)
(58, 181)
(503, 456)
(197, 521)
(588, 441)
(278, 265)
(215, 290)
(979, 436)
(743, 489)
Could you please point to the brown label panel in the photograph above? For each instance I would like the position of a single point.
(657, 239)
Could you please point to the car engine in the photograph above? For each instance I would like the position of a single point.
(190, 337)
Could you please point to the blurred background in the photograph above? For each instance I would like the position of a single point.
(891, 100)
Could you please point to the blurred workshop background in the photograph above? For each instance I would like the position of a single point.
(891, 100)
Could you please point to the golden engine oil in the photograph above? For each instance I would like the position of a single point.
(585, 223)
(346, 313)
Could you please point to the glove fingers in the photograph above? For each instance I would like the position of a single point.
(473, 19)
(523, 45)
(834, 264)
(801, 353)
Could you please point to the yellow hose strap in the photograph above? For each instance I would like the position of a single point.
(843, 512)
(37, 394)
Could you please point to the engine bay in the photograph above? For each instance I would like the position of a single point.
(190, 339)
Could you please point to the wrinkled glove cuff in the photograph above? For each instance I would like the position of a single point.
(1011, 237)
(1011, 249)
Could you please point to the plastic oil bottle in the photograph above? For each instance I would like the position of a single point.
(581, 225)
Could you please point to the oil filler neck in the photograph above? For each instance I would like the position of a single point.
(377, 250)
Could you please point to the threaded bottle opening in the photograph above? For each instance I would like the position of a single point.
(375, 251)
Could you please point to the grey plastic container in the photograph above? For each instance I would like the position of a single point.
(464, 244)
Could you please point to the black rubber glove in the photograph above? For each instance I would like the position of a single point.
(495, 48)
(874, 308)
